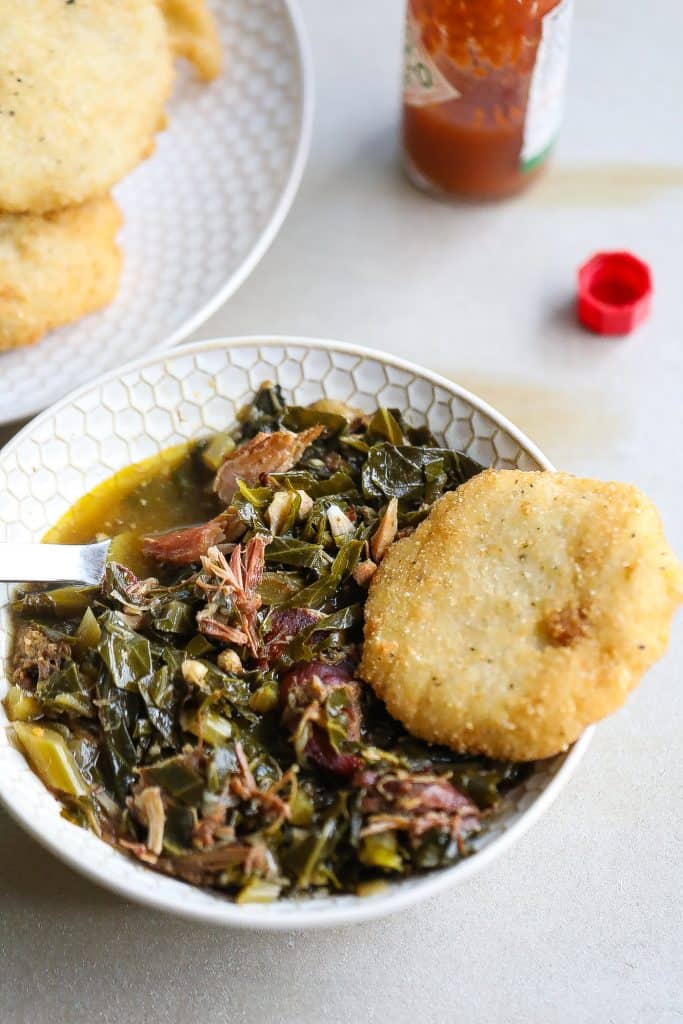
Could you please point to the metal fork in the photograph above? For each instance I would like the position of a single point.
(53, 563)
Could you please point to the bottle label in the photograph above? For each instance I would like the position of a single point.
(546, 92)
(423, 82)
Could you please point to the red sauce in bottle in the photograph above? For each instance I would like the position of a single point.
(482, 92)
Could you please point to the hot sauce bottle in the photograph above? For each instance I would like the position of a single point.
(483, 90)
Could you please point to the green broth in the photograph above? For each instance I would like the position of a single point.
(168, 490)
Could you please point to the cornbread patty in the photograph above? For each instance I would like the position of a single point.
(56, 268)
(525, 607)
(194, 35)
(82, 93)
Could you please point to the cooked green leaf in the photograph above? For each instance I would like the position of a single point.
(60, 603)
(178, 776)
(393, 471)
(299, 418)
(158, 693)
(381, 851)
(65, 690)
(198, 646)
(316, 487)
(317, 594)
(259, 497)
(307, 856)
(51, 758)
(126, 654)
(290, 551)
(89, 633)
(112, 711)
(276, 588)
(174, 617)
(320, 636)
(217, 450)
(384, 427)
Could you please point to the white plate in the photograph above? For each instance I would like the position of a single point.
(199, 214)
(171, 398)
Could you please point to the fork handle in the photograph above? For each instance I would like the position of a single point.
(50, 563)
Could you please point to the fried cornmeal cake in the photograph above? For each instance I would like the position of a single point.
(82, 93)
(56, 268)
(194, 35)
(526, 606)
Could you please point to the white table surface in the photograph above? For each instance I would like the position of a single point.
(582, 921)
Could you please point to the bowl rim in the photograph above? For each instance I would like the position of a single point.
(295, 173)
(308, 914)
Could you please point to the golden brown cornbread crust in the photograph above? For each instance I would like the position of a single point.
(194, 35)
(82, 94)
(525, 607)
(56, 268)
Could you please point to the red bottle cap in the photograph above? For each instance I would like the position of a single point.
(615, 292)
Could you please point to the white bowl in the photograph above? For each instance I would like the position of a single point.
(172, 397)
